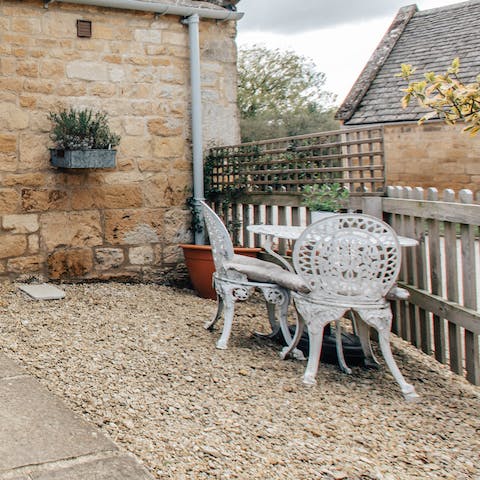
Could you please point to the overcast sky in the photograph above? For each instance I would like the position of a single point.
(338, 35)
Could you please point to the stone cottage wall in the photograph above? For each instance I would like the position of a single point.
(124, 222)
(432, 155)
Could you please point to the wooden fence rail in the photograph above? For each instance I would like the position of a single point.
(442, 273)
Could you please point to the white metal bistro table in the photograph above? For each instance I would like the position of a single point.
(288, 232)
(293, 233)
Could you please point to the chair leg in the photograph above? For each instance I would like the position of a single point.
(408, 390)
(381, 320)
(272, 319)
(275, 297)
(363, 330)
(216, 315)
(292, 342)
(229, 304)
(315, 350)
(339, 347)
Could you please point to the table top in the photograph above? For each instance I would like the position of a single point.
(293, 233)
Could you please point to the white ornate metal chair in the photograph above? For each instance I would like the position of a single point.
(236, 277)
(350, 262)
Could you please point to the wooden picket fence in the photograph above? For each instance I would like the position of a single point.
(442, 273)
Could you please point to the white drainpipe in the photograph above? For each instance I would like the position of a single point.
(193, 14)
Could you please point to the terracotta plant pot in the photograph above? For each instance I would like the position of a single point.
(199, 261)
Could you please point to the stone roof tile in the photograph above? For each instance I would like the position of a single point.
(429, 40)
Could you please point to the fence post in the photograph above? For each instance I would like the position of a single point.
(372, 206)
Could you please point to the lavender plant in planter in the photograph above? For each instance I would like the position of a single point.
(82, 139)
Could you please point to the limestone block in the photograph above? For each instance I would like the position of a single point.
(52, 69)
(34, 179)
(164, 190)
(117, 59)
(135, 146)
(8, 143)
(133, 227)
(107, 196)
(27, 69)
(117, 178)
(20, 223)
(104, 32)
(177, 224)
(8, 153)
(8, 97)
(33, 243)
(148, 35)
(43, 200)
(143, 108)
(12, 245)
(169, 146)
(175, 38)
(142, 255)
(26, 25)
(70, 263)
(134, 126)
(8, 162)
(137, 91)
(33, 153)
(73, 229)
(165, 126)
(17, 39)
(108, 258)
(93, 71)
(31, 263)
(27, 101)
(8, 66)
(9, 84)
(9, 200)
(116, 73)
(104, 90)
(39, 86)
(71, 89)
(12, 117)
(137, 60)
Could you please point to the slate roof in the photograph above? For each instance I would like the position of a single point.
(429, 40)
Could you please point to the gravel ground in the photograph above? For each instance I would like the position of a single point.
(135, 361)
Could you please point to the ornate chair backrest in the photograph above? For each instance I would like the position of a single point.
(222, 246)
(350, 256)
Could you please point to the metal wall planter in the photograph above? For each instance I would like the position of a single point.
(83, 158)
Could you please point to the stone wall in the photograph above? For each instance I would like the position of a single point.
(432, 155)
(124, 222)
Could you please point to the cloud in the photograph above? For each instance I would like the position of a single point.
(292, 17)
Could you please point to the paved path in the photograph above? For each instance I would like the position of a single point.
(41, 439)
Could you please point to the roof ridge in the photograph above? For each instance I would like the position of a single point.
(376, 61)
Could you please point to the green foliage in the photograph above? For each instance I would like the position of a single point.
(327, 197)
(445, 95)
(265, 126)
(81, 130)
(281, 94)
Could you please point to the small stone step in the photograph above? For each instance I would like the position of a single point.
(43, 291)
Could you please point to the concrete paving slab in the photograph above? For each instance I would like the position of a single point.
(37, 428)
(116, 468)
(9, 368)
(42, 291)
